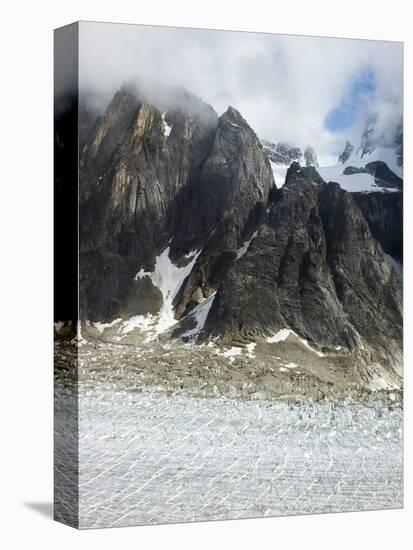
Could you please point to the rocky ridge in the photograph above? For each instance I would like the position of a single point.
(184, 235)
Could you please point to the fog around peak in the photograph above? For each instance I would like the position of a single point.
(284, 86)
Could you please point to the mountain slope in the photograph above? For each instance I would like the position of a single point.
(184, 236)
(140, 169)
(315, 269)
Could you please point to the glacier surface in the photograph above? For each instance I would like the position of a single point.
(146, 458)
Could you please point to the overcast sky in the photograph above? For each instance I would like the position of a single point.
(303, 90)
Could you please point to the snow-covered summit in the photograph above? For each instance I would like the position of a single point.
(375, 165)
(361, 173)
(282, 154)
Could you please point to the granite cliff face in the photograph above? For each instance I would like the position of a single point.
(183, 230)
(231, 189)
(314, 269)
(151, 177)
(384, 214)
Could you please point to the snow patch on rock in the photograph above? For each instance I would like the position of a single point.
(144, 323)
(279, 172)
(250, 349)
(166, 128)
(284, 333)
(244, 248)
(101, 327)
(168, 278)
(199, 314)
(231, 353)
(307, 345)
(280, 336)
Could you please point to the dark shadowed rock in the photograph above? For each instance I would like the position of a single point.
(384, 214)
(234, 181)
(350, 170)
(149, 178)
(313, 268)
(168, 175)
(383, 176)
(134, 164)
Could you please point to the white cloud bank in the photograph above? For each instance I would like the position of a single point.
(284, 86)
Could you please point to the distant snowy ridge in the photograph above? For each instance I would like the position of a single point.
(351, 171)
(282, 154)
(362, 181)
(358, 180)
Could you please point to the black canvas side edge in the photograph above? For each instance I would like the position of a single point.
(66, 266)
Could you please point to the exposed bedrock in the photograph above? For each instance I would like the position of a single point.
(384, 214)
(314, 268)
(149, 177)
(179, 209)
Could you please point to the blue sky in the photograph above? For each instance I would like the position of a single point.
(354, 102)
(302, 90)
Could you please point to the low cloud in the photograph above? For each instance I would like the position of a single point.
(285, 86)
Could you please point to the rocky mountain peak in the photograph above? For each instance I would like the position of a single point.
(310, 157)
(235, 179)
(345, 155)
(234, 122)
(299, 175)
(109, 126)
(281, 153)
(142, 167)
(374, 136)
(313, 269)
(368, 139)
(232, 113)
(147, 127)
(169, 189)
